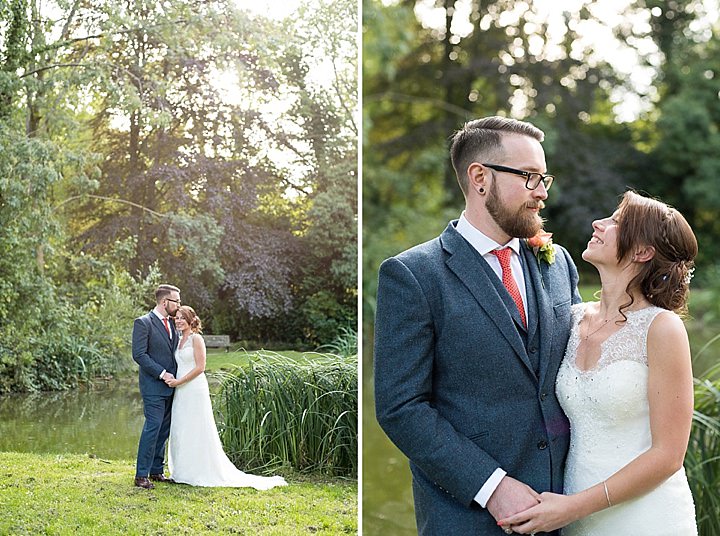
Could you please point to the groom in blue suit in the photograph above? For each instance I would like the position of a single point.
(470, 331)
(154, 340)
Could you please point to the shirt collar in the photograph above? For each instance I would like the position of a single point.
(158, 314)
(480, 241)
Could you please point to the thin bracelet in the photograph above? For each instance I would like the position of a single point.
(607, 495)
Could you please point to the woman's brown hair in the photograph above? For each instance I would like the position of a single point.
(665, 279)
(191, 317)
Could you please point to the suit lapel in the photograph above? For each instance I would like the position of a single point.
(175, 334)
(544, 319)
(462, 261)
(528, 263)
(161, 327)
(176, 339)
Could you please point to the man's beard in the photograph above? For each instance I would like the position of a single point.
(521, 224)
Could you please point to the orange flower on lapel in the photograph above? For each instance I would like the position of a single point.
(542, 246)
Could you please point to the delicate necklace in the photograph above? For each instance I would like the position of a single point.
(602, 325)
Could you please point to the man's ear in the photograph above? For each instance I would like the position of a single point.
(644, 254)
(477, 177)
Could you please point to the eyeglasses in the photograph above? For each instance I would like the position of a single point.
(533, 179)
(175, 301)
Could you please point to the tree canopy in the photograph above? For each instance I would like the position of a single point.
(188, 142)
(425, 75)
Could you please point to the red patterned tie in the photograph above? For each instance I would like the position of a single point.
(167, 326)
(508, 280)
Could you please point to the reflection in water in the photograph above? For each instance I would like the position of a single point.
(387, 493)
(104, 420)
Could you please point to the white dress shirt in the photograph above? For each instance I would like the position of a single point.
(161, 317)
(484, 245)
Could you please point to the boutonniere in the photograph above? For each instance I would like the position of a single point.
(543, 249)
(542, 246)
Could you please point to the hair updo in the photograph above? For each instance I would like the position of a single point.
(191, 317)
(665, 279)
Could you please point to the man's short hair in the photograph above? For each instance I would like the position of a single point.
(163, 291)
(480, 141)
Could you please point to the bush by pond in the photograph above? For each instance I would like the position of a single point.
(279, 412)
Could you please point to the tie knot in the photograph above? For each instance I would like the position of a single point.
(503, 256)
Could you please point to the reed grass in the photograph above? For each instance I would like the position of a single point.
(283, 412)
(702, 461)
(345, 344)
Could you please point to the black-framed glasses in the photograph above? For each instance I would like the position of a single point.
(175, 301)
(533, 178)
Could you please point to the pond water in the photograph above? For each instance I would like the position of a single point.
(104, 420)
(387, 497)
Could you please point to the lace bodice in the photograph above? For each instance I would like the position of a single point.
(628, 343)
(609, 399)
(609, 415)
(185, 356)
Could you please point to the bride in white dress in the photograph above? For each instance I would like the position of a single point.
(626, 385)
(196, 454)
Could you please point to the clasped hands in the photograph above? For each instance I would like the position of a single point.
(516, 506)
(170, 379)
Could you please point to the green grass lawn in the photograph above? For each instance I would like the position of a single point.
(219, 359)
(75, 494)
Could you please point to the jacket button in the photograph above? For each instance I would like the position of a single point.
(532, 349)
(542, 445)
(543, 396)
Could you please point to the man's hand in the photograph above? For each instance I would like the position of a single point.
(170, 376)
(172, 382)
(553, 512)
(510, 497)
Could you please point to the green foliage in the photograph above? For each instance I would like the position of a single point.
(324, 318)
(123, 163)
(345, 344)
(61, 316)
(82, 332)
(686, 154)
(702, 461)
(277, 412)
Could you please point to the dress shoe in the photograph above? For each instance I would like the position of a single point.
(161, 478)
(143, 482)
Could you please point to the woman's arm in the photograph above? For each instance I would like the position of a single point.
(200, 360)
(670, 395)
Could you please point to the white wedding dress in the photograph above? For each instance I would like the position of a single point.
(610, 426)
(196, 455)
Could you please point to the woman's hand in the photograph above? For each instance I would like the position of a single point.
(553, 512)
(173, 382)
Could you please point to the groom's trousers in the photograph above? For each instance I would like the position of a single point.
(155, 432)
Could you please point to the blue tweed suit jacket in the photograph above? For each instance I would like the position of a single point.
(460, 387)
(154, 351)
